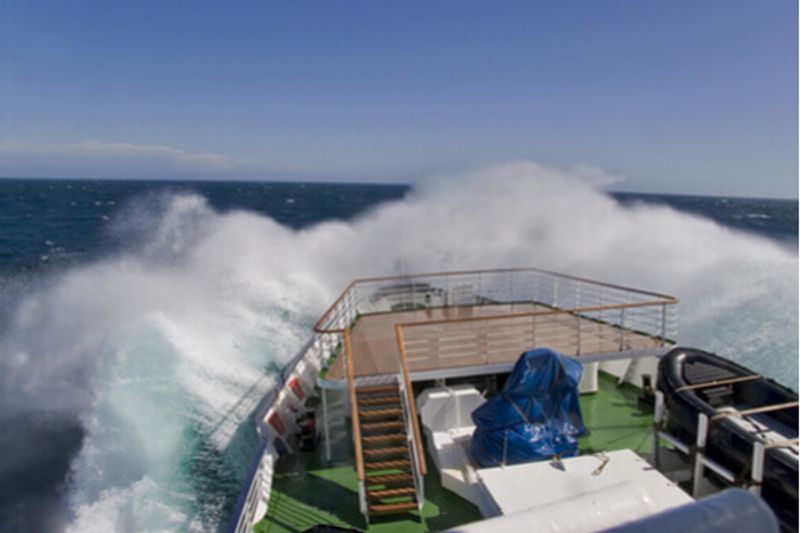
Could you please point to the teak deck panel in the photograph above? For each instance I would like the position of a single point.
(375, 351)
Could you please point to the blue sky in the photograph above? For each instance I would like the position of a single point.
(679, 96)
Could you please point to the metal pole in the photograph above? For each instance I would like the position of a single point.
(555, 293)
(325, 425)
(702, 434)
(505, 447)
(658, 416)
(343, 357)
(663, 324)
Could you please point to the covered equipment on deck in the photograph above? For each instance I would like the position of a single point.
(536, 416)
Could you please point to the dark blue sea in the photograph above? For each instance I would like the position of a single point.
(135, 316)
(57, 222)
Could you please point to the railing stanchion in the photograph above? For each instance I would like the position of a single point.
(505, 448)
(326, 424)
(555, 292)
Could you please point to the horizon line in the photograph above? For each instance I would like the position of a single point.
(358, 182)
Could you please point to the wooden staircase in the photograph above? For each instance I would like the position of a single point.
(389, 478)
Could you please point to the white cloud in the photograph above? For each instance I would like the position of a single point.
(595, 176)
(101, 159)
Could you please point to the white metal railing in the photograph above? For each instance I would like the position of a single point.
(521, 285)
(489, 339)
(253, 502)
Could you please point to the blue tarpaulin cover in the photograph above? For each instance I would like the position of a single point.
(537, 412)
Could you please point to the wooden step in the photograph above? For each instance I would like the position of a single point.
(390, 479)
(380, 413)
(386, 451)
(382, 426)
(379, 400)
(391, 508)
(377, 388)
(382, 439)
(391, 493)
(387, 465)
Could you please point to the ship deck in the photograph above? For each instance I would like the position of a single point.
(309, 491)
(375, 349)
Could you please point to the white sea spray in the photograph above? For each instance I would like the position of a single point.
(161, 351)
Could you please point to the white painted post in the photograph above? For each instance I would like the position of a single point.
(658, 417)
(702, 434)
(658, 414)
(758, 467)
(362, 500)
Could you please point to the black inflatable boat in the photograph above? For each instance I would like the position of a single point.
(743, 408)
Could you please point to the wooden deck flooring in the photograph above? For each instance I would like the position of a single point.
(436, 347)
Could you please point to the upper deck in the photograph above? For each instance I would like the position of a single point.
(468, 323)
(384, 333)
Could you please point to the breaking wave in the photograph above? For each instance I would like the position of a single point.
(161, 352)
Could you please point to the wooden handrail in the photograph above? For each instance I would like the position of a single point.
(412, 408)
(667, 299)
(351, 387)
(535, 313)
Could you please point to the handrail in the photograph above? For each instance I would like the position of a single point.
(318, 325)
(410, 400)
(351, 387)
(528, 314)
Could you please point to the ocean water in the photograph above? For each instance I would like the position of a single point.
(141, 322)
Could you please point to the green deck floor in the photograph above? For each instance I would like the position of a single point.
(308, 491)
